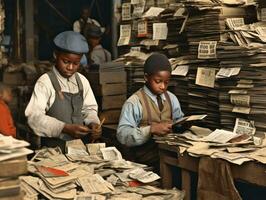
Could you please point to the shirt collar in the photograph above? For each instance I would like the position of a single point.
(63, 79)
(99, 46)
(151, 95)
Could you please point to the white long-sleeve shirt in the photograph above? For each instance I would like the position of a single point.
(43, 98)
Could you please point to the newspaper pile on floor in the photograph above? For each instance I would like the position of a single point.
(237, 146)
(92, 171)
(13, 163)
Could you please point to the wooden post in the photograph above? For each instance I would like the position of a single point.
(29, 31)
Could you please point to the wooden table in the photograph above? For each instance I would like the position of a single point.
(251, 172)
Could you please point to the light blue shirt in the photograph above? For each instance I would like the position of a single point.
(129, 133)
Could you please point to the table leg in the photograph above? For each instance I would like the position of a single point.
(166, 174)
(186, 183)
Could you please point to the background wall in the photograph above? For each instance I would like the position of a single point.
(48, 23)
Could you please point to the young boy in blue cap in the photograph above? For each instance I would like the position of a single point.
(150, 111)
(62, 106)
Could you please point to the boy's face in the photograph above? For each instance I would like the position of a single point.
(85, 14)
(7, 95)
(67, 63)
(158, 82)
(93, 41)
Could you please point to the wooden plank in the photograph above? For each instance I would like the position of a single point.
(107, 77)
(251, 172)
(165, 172)
(186, 183)
(111, 116)
(112, 102)
(109, 89)
(29, 31)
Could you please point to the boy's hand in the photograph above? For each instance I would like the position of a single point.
(76, 130)
(95, 130)
(161, 128)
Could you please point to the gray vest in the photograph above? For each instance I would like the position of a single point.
(67, 106)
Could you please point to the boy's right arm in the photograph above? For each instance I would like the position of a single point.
(129, 133)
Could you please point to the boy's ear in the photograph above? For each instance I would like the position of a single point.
(146, 77)
(54, 54)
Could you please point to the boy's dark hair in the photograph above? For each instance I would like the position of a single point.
(155, 63)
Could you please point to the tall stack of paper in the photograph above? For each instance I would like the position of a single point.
(13, 163)
(208, 22)
(206, 28)
(243, 93)
(134, 62)
(109, 85)
(179, 82)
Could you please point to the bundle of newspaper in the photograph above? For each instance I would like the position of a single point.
(13, 163)
(144, 25)
(236, 146)
(134, 61)
(91, 171)
(207, 20)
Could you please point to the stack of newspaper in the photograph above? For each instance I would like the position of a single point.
(207, 21)
(91, 171)
(208, 36)
(134, 61)
(237, 146)
(179, 83)
(13, 163)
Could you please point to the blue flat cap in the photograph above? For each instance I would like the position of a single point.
(71, 42)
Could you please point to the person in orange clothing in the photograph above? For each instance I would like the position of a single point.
(7, 126)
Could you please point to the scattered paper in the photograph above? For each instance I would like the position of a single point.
(180, 12)
(95, 184)
(111, 153)
(207, 49)
(160, 31)
(125, 34)
(138, 10)
(235, 23)
(205, 77)
(126, 11)
(153, 12)
(243, 126)
(228, 72)
(220, 136)
(143, 176)
(241, 109)
(94, 148)
(181, 70)
(240, 100)
(142, 28)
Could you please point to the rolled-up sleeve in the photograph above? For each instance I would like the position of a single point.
(129, 133)
(42, 124)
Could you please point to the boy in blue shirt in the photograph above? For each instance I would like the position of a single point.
(150, 111)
